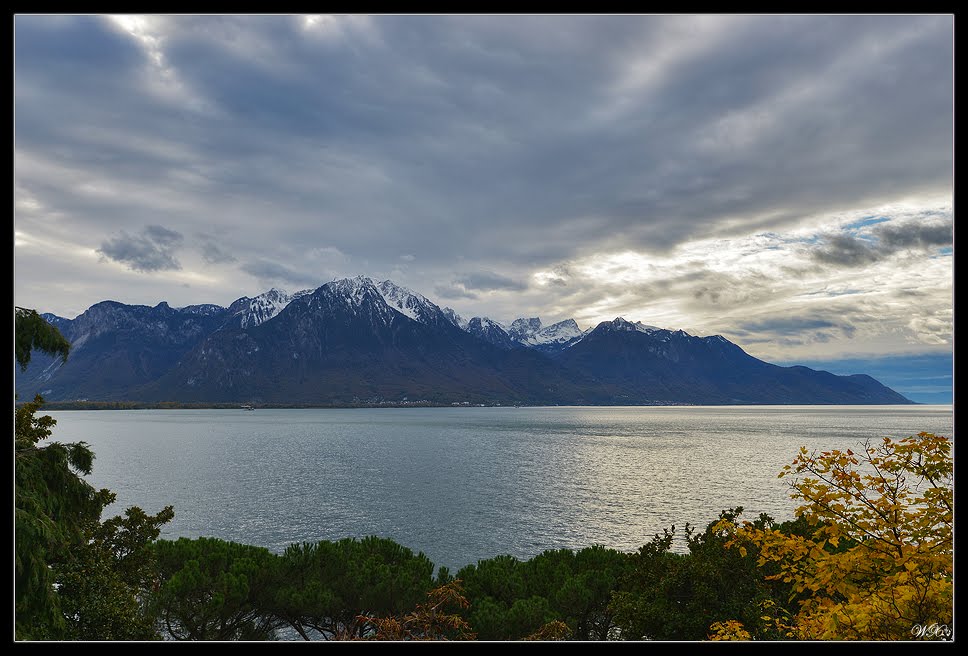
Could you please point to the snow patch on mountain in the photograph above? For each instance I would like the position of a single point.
(252, 312)
(451, 315)
(485, 322)
(353, 290)
(557, 333)
(624, 325)
(523, 330)
(205, 309)
(643, 328)
(491, 331)
(531, 332)
(407, 302)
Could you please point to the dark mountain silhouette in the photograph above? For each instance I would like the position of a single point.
(357, 341)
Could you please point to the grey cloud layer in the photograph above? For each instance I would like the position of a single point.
(520, 135)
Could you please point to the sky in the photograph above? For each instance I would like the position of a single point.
(785, 181)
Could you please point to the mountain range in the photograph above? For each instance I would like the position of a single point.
(354, 341)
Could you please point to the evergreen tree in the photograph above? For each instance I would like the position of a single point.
(212, 589)
(106, 584)
(32, 332)
(74, 577)
(53, 507)
(329, 589)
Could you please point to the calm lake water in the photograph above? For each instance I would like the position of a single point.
(462, 484)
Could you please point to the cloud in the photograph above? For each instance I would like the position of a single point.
(702, 172)
(487, 281)
(883, 240)
(163, 236)
(435, 130)
(846, 250)
(270, 272)
(791, 325)
(212, 253)
(933, 327)
(152, 250)
(454, 292)
(917, 235)
(472, 285)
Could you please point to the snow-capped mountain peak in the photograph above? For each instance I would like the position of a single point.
(451, 315)
(407, 302)
(524, 329)
(558, 333)
(252, 312)
(644, 328)
(486, 322)
(533, 334)
(390, 299)
(206, 309)
(621, 323)
(353, 290)
(491, 331)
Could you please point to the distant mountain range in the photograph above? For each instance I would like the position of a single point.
(356, 341)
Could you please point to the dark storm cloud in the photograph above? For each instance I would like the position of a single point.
(212, 253)
(152, 250)
(788, 326)
(270, 272)
(472, 285)
(163, 237)
(915, 235)
(488, 281)
(885, 240)
(451, 292)
(845, 250)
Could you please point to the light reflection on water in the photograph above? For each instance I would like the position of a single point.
(461, 484)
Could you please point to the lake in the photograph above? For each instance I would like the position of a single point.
(463, 484)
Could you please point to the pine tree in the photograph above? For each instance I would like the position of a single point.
(75, 578)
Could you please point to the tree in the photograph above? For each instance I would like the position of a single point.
(211, 589)
(493, 587)
(676, 596)
(434, 620)
(52, 503)
(513, 600)
(876, 563)
(53, 508)
(75, 578)
(329, 589)
(581, 592)
(552, 631)
(33, 332)
(105, 585)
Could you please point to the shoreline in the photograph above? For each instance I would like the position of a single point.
(175, 405)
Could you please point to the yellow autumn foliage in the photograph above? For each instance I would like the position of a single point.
(878, 563)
